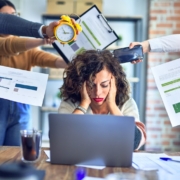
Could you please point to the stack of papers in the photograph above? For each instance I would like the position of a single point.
(79, 165)
(166, 170)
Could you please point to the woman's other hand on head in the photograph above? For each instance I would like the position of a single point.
(111, 98)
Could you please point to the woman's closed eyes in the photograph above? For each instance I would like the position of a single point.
(102, 85)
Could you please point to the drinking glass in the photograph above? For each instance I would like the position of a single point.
(30, 145)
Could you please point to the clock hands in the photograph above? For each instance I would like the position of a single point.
(65, 31)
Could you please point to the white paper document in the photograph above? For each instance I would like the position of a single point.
(169, 170)
(166, 170)
(142, 162)
(169, 166)
(92, 178)
(22, 86)
(80, 165)
(167, 78)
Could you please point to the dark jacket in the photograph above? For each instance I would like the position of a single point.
(10, 24)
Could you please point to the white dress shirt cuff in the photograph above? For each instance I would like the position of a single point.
(155, 45)
(40, 31)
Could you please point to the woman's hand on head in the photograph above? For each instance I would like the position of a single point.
(111, 97)
(85, 99)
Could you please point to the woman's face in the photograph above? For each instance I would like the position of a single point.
(7, 10)
(100, 88)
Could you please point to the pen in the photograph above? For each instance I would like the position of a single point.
(168, 159)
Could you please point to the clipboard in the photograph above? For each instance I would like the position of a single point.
(96, 34)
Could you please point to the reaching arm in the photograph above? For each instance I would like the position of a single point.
(32, 43)
(10, 24)
(60, 63)
(169, 43)
(13, 45)
(45, 59)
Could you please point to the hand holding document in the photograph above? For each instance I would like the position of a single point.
(167, 78)
(22, 86)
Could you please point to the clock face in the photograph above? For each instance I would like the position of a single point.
(65, 32)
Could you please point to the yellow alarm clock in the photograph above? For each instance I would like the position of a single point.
(67, 30)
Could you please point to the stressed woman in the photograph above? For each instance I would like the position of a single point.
(95, 83)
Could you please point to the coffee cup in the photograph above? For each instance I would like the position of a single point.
(30, 145)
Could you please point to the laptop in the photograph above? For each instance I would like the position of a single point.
(100, 140)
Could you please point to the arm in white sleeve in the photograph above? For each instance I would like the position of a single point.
(169, 43)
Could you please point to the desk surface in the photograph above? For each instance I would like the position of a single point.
(9, 154)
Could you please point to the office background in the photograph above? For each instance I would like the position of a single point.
(158, 18)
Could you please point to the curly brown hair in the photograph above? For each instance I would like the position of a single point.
(85, 66)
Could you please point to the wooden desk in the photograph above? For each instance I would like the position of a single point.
(60, 172)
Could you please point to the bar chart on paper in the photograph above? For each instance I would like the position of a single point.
(168, 83)
(22, 86)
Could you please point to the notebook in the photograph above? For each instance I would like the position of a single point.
(100, 140)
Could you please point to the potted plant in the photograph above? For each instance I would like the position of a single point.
(56, 99)
(119, 40)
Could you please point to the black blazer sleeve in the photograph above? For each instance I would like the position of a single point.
(10, 24)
